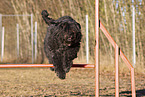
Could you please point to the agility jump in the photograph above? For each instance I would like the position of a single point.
(117, 53)
(96, 66)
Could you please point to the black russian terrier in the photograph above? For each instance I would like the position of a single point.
(62, 42)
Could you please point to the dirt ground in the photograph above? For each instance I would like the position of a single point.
(41, 82)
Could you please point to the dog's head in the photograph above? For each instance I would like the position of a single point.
(71, 33)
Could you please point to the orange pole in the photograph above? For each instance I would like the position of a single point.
(133, 83)
(41, 65)
(131, 68)
(116, 71)
(107, 35)
(97, 48)
(114, 43)
(125, 60)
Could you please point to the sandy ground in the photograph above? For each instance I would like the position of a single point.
(41, 82)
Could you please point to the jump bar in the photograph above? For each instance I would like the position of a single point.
(41, 65)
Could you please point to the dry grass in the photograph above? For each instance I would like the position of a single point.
(40, 82)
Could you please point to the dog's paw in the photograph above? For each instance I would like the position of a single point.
(60, 73)
(52, 68)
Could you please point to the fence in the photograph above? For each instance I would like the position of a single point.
(17, 38)
(24, 43)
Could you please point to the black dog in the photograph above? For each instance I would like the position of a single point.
(62, 42)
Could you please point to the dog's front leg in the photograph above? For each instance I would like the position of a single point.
(57, 62)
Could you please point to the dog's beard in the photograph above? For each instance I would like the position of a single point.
(70, 37)
(69, 40)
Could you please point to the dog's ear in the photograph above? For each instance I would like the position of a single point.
(79, 36)
(79, 25)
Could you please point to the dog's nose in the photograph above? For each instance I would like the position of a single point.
(69, 39)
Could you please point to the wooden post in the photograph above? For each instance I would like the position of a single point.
(87, 40)
(133, 83)
(35, 41)
(32, 36)
(133, 36)
(2, 43)
(97, 48)
(116, 71)
(17, 40)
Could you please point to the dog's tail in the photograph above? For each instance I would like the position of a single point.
(47, 19)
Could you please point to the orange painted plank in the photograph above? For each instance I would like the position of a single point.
(114, 43)
(125, 60)
(41, 65)
(107, 35)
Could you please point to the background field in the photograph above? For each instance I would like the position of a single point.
(41, 82)
(116, 16)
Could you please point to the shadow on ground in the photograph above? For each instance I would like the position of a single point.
(139, 93)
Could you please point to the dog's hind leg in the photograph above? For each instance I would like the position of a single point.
(49, 54)
(66, 63)
(50, 62)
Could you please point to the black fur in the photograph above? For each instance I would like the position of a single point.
(62, 42)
